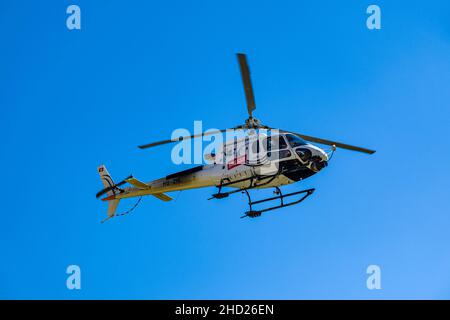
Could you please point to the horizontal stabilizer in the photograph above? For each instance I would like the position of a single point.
(162, 196)
(136, 183)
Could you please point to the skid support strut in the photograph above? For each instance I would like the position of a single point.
(280, 196)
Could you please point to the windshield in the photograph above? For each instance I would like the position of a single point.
(295, 141)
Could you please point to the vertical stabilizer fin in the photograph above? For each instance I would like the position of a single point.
(108, 183)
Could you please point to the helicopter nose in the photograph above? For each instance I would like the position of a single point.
(319, 153)
(324, 155)
(319, 164)
(320, 160)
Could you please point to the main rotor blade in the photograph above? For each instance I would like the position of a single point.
(245, 73)
(335, 143)
(158, 143)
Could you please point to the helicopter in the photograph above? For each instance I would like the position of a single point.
(263, 157)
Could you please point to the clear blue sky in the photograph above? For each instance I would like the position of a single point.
(71, 100)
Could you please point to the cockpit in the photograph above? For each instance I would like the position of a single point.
(290, 147)
(285, 149)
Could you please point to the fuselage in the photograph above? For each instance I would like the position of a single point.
(288, 160)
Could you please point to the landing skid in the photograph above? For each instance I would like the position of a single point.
(251, 213)
(280, 196)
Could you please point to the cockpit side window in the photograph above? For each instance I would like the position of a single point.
(275, 143)
(295, 141)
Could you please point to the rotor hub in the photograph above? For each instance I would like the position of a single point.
(252, 123)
